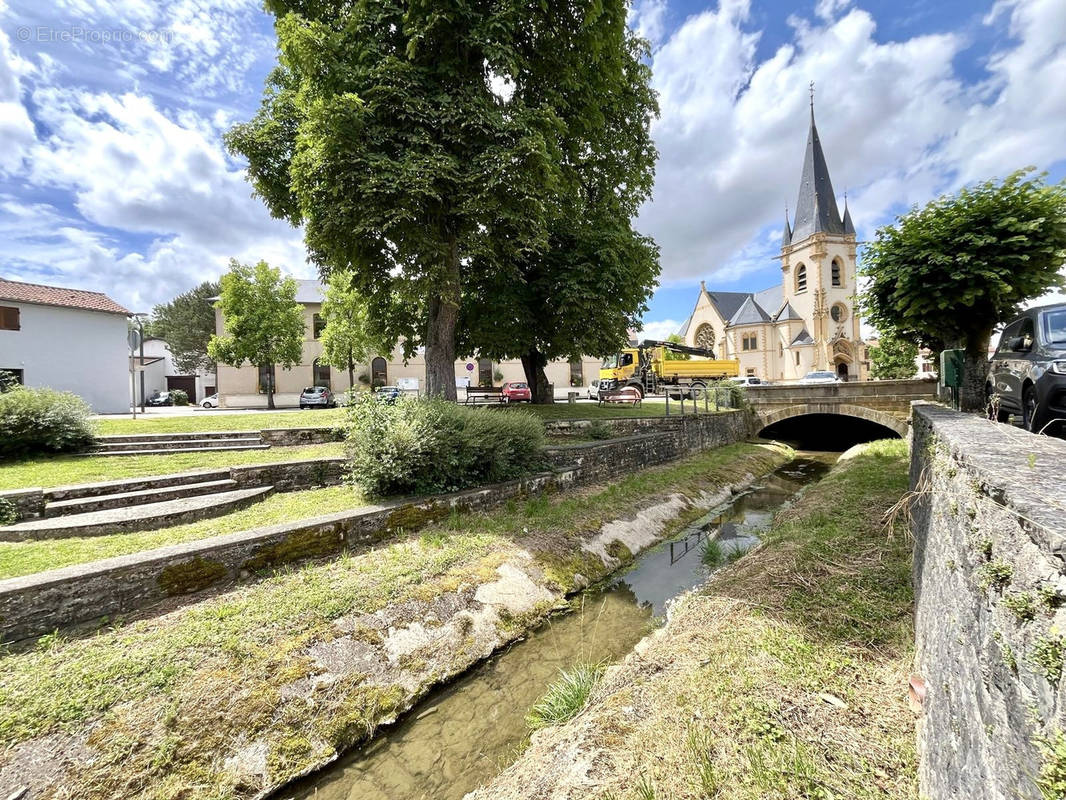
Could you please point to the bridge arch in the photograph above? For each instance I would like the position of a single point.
(883, 418)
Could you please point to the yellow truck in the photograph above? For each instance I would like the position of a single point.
(646, 368)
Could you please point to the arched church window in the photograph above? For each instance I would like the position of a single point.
(705, 337)
(836, 272)
(801, 278)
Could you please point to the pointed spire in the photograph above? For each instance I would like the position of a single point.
(849, 226)
(786, 236)
(816, 208)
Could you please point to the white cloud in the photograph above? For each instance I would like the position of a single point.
(16, 128)
(648, 19)
(658, 330)
(897, 124)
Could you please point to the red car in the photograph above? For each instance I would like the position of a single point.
(516, 392)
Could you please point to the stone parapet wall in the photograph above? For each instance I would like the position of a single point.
(293, 437)
(882, 395)
(989, 521)
(89, 593)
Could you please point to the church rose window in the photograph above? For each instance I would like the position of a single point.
(839, 312)
(705, 337)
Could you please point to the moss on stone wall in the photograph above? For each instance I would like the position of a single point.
(295, 547)
(191, 576)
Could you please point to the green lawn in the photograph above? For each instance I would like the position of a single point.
(67, 470)
(26, 558)
(214, 421)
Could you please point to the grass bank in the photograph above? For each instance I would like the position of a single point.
(26, 558)
(67, 470)
(214, 421)
(785, 677)
(274, 677)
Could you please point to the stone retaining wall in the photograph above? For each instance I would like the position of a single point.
(989, 520)
(890, 396)
(292, 437)
(88, 593)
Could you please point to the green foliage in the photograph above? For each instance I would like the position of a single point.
(1022, 605)
(599, 430)
(670, 355)
(995, 575)
(347, 339)
(8, 512)
(1052, 779)
(187, 324)
(264, 325)
(179, 397)
(948, 273)
(893, 358)
(428, 446)
(36, 421)
(566, 697)
(711, 554)
(1047, 655)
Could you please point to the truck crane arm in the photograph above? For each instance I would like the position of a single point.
(679, 348)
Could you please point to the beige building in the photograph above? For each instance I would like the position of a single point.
(244, 387)
(808, 322)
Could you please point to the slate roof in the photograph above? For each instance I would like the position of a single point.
(786, 312)
(728, 303)
(816, 207)
(310, 291)
(749, 313)
(802, 338)
(39, 294)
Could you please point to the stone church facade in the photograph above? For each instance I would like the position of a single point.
(808, 322)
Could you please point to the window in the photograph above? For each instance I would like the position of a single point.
(749, 341)
(1026, 336)
(484, 372)
(836, 273)
(577, 377)
(267, 382)
(797, 358)
(781, 350)
(320, 373)
(318, 325)
(705, 337)
(379, 372)
(9, 318)
(801, 278)
(10, 377)
(839, 312)
(751, 372)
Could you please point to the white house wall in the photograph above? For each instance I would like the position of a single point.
(72, 350)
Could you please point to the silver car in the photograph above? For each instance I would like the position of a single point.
(819, 376)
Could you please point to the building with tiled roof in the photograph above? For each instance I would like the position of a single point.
(808, 321)
(67, 339)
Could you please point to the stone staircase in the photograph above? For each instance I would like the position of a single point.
(134, 505)
(163, 443)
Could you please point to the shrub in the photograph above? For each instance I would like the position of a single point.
(599, 430)
(425, 446)
(42, 421)
(9, 515)
(179, 397)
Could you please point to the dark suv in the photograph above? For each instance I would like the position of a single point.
(1028, 371)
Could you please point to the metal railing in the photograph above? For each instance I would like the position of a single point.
(712, 399)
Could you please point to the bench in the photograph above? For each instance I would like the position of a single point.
(626, 395)
(490, 394)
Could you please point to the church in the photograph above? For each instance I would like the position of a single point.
(807, 322)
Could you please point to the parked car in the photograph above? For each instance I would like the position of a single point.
(388, 394)
(594, 390)
(516, 392)
(160, 399)
(746, 380)
(819, 376)
(211, 401)
(317, 397)
(1028, 370)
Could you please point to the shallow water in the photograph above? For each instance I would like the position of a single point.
(464, 734)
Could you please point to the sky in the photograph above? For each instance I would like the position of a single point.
(113, 175)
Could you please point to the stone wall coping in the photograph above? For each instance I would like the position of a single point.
(1018, 469)
(14, 494)
(303, 429)
(204, 547)
(607, 442)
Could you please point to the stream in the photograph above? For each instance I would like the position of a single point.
(463, 734)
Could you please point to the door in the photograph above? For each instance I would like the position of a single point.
(842, 370)
(379, 372)
(187, 383)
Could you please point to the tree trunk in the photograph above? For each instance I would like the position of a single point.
(351, 373)
(975, 373)
(440, 331)
(270, 388)
(533, 363)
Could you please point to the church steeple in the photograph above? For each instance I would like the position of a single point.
(786, 236)
(849, 226)
(816, 208)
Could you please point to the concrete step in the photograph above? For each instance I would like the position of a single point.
(176, 444)
(150, 516)
(166, 437)
(133, 484)
(171, 451)
(79, 505)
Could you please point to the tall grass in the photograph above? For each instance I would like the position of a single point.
(566, 697)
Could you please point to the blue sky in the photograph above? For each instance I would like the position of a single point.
(113, 175)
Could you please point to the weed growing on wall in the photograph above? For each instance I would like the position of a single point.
(422, 446)
(1047, 655)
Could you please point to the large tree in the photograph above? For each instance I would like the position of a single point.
(893, 358)
(346, 340)
(381, 134)
(949, 273)
(590, 284)
(187, 324)
(264, 325)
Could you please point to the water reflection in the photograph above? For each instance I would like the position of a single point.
(464, 734)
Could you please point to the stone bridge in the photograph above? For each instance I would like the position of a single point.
(887, 403)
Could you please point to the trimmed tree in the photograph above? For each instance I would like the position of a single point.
(670, 355)
(187, 324)
(264, 325)
(380, 133)
(893, 358)
(947, 274)
(346, 340)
